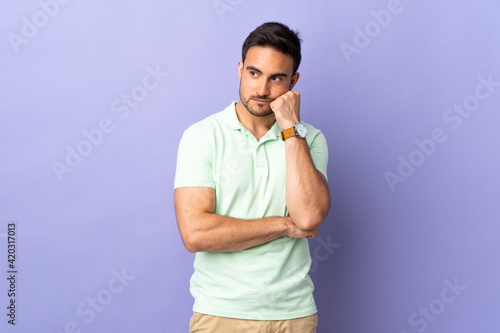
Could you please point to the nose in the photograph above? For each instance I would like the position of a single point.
(263, 89)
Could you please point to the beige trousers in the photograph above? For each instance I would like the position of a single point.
(202, 323)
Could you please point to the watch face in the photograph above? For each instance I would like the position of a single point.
(301, 130)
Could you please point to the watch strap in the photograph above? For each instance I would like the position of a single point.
(288, 133)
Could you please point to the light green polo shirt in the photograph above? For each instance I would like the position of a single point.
(265, 282)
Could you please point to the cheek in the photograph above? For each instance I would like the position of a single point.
(280, 90)
(247, 85)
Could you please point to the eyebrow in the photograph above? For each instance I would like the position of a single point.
(251, 68)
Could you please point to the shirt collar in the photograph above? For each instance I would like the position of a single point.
(232, 121)
(231, 118)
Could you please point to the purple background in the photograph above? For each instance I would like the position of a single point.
(393, 250)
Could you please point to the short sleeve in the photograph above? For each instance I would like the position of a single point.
(194, 160)
(319, 153)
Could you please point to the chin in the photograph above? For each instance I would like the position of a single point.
(263, 113)
(257, 111)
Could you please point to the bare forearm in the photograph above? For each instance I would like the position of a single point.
(202, 230)
(217, 233)
(307, 194)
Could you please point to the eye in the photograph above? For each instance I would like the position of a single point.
(276, 78)
(254, 73)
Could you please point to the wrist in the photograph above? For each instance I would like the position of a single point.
(286, 226)
(297, 130)
(287, 124)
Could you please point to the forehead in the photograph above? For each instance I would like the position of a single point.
(269, 60)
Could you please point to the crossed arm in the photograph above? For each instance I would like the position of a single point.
(308, 202)
(202, 230)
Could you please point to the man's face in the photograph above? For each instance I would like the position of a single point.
(265, 75)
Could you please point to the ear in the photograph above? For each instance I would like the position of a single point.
(240, 69)
(295, 78)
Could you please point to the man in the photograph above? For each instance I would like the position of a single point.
(250, 188)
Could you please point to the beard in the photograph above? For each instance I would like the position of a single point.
(256, 110)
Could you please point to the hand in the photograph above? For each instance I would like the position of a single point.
(286, 109)
(296, 232)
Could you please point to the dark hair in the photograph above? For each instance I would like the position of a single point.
(276, 36)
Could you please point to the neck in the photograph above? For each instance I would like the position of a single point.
(258, 126)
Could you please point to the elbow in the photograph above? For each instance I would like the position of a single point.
(193, 238)
(190, 248)
(309, 223)
(191, 243)
(312, 219)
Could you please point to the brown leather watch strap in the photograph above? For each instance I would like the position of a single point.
(288, 133)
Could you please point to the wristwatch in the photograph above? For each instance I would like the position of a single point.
(299, 130)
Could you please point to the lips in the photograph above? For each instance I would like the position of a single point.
(261, 101)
